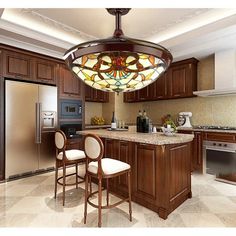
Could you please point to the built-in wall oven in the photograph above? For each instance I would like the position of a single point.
(219, 159)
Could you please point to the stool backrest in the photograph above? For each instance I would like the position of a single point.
(93, 147)
(60, 139)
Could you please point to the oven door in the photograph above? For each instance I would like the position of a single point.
(219, 158)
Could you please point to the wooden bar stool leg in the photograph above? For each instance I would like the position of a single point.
(64, 184)
(86, 198)
(76, 174)
(129, 186)
(99, 202)
(90, 184)
(56, 176)
(107, 192)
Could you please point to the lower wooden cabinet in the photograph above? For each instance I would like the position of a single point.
(161, 175)
(197, 146)
(221, 137)
(119, 150)
(75, 143)
(145, 171)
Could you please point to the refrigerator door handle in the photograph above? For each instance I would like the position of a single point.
(36, 122)
(40, 123)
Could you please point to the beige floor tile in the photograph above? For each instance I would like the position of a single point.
(16, 220)
(18, 190)
(192, 205)
(173, 220)
(52, 220)
(7, 202)
(219, 204)
(228, 219)
(201, 220)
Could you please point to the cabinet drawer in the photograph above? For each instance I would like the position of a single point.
(223, 137)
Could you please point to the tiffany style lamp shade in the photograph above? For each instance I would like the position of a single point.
(118, 64)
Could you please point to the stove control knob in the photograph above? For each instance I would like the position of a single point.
(225, 145)
(220, 144)
(214, 144)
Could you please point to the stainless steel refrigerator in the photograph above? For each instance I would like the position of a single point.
(30, 123)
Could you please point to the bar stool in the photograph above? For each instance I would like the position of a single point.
(102, 168)
(66, 158)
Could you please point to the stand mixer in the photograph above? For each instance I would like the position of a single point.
(184, 119)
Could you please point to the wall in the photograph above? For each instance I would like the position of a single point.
(206, 111)
(92, 109)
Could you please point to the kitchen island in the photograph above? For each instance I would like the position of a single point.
(160, 165)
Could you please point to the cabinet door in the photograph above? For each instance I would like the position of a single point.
(89, 91)
(182, 78)
(145, 171)
(178, 77)
(70, 86)
(160, 91)
(197, 152)
(130, 96)
(45, 71)
(17, 65)
(95, 95)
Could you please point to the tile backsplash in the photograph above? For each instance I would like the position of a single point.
(206, 111)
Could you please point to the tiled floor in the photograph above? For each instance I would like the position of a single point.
(29, 202)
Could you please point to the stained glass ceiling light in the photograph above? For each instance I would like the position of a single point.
(118, 64)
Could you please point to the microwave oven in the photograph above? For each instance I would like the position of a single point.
(70, 109)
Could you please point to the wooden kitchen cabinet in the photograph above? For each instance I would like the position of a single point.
(160, 174)
(179, 81)
(119, 150)
(17, 65)
(28, 66)
(197, 146)
(95, 95)
(160, 89)
(75, 143)
(182, 78)
(130, 96)
(219, 136)
(45, 71)
(69, 85)
(197, 158)
(145, 171)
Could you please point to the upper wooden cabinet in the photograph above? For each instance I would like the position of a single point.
(45, 71)
(182, 78)
(22, 65)
(17, 65)
(69, 85)
(95, 95)
(178, 82)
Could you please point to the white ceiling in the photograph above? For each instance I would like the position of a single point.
(195, 32)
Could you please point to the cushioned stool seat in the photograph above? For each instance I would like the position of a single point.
(109, 166)
(72, 155)
(66, 158)
(103, 169)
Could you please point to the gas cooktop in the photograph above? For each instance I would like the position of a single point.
(214, 127)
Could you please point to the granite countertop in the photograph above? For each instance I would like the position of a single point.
(207, 130)
(149, 138)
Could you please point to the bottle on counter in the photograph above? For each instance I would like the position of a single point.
(113, 121)
(139, 122)
(145, 123)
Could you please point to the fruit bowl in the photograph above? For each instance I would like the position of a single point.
(97, 120)
(168, 131)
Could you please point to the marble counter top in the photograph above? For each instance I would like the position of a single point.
(149, 138)
(207, 130)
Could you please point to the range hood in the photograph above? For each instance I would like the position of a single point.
(225, 75)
